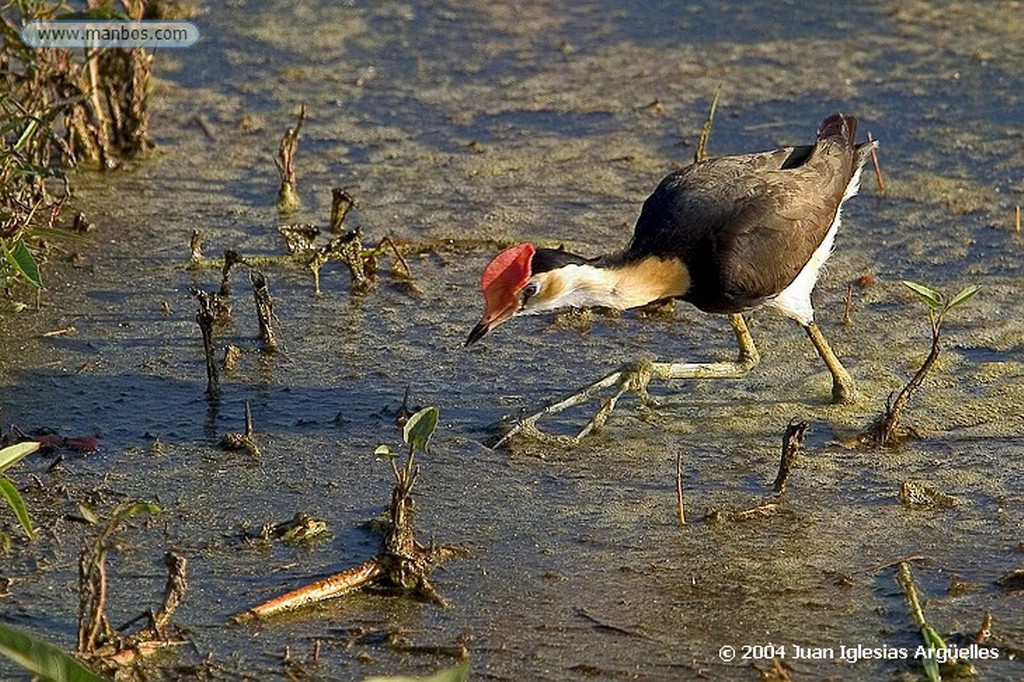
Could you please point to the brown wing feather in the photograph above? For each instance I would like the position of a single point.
(746, 225)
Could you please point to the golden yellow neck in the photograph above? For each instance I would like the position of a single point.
(621, 286)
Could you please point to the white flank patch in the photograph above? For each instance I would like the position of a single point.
(795, 300)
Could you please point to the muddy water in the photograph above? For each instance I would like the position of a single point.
(543, 121)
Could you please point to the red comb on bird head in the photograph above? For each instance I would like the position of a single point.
(504, 276)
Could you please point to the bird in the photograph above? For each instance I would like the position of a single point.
(728, 234)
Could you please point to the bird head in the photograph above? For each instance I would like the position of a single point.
(522, 280)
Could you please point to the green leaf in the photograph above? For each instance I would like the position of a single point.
(27, 134)
(42, 658)
(13, 454)
(383, 451)
(22, 261)
(965, 295)
(932, 642)
(420, 428)
(126, 510)
(458, 673)
(13, 497)
(929, 296)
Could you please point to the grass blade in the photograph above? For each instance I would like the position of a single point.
(43, 659)
(13, 454)
(13, 497)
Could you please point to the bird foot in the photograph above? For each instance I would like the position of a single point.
(630, 378)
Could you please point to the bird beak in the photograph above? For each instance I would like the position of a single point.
(490, 320)
(478, 332)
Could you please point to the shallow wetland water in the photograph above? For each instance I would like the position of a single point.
(549, 121)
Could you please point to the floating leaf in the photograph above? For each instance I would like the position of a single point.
(13, 454)
(929, 296)
(965, 294)
(13, 497)
(420, 428)
(383, 451)
(42, 658)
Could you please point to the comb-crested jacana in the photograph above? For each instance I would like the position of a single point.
(728, 234)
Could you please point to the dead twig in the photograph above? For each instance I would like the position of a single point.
(701, 152)
(195, 248)
(848, 305)
(206, 317)
(874, 162)
(792, 443)
(333, 586)
(231, 259)
(264, 309)
(242, 441)
(680, 512)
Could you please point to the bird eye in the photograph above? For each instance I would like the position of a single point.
(529, 290)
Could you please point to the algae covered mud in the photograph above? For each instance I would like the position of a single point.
(491, 124)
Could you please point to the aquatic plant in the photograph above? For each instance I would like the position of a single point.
(886, 428)
(402, 562)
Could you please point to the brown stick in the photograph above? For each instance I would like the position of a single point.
(328, 588)
(264, 309)
(885, 429)
(174, 592)
(874, 162)
(399, 256)
(1016, 218)
(205, 318)
(792, 442)
(680, 512)
(847, 304)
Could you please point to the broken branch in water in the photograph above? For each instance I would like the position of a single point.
(231, 259)
(206, 317)
(792, 442)
(242, 441)
(264, 309)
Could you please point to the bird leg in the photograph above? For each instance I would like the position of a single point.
(634, 377)
(843, 389)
